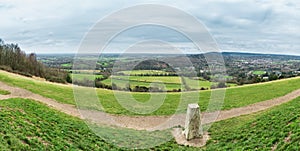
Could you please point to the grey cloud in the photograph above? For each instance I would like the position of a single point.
(251, 25)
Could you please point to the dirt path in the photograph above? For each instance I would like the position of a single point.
(144, 122)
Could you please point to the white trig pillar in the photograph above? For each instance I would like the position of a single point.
(193, 128)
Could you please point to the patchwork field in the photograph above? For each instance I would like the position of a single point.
(150, 72)
(234, 97)
(170, 82)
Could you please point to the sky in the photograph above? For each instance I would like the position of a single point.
(58, 26)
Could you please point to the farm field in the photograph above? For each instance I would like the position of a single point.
(135, 72)
(259, 72)
(170, 82)
(66, 65)
(26, 124)
(122, 82)
(145, 78)
(235, 97)
(82, 76)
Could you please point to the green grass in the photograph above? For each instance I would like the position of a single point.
(29, 125)
(134, 72)
(197, 84)
(259, 72)
(170, 82)
(164, 79)
(83, 76)
(66, 65)
(235, 97)
(4, 92)
(279, 125)
(60, 93)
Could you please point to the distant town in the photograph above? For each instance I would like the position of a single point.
(241, 68)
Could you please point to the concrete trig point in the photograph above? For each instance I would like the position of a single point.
(193, 134)
(193, 127)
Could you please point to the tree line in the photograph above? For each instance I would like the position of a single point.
(13, 59)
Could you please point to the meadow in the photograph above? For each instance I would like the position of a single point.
(169, 82)
(147, 78)
(139, 72)
(83, 76)
(234, 97)
(259, 72)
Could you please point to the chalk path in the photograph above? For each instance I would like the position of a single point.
(144, 122)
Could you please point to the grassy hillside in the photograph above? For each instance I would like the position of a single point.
(277, 128)
(235, 97)
(59, 92)
(28, 125)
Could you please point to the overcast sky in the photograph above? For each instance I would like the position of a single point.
(58, 26)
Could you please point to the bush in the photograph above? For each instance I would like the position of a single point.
(6, 68)
(23, 73)
(140, 89)
(56, 79)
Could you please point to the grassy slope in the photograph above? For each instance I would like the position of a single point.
(28, 125)
(59, 92)
(279, 125)
(235, 97)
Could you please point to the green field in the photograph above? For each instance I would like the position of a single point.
(134, 72)
(122, 83)
(83, 76)
(28, 125)
(259, 72)
(235, 97)
(66, 65)
(4, 92)
(170, 82)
